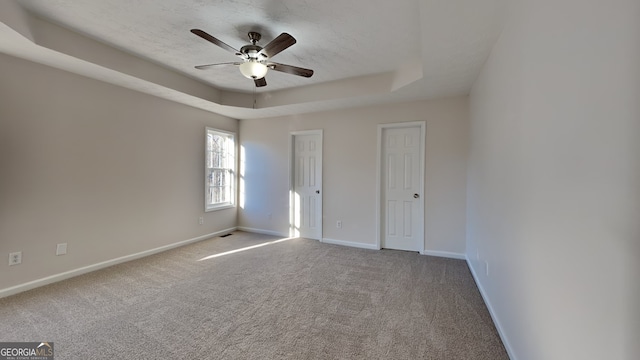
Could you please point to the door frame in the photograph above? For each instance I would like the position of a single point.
(379, 192)
(293, 232)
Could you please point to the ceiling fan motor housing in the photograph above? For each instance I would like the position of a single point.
(251, 51)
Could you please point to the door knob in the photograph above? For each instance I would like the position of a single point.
(317, 191)
(415, 196)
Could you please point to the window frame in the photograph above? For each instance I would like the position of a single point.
(231, 165)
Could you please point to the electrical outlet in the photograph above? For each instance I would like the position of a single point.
(61, 249)
(200, 220)
(486, 268)
(477, 255)
(339, 224)
(15, 258)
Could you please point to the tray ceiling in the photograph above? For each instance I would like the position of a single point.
(362, 51)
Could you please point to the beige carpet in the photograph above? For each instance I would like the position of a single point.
(295, 299)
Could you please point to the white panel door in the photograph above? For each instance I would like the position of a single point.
(402, 211)
(307, 180)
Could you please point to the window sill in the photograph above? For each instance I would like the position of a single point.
(220, 207)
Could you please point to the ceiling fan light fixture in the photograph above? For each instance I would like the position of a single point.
(257, 59)
(253, 69)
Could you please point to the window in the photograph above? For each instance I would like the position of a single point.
(220, 164)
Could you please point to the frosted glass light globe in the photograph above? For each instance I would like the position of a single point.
(253, 69)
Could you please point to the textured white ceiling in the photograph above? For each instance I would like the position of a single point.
(435, 46)
(337, 39)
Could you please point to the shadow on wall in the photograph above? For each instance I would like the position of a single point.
(264, 196)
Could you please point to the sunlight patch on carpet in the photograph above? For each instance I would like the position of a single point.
(245, 248)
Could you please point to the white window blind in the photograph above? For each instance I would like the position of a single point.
(219, 169)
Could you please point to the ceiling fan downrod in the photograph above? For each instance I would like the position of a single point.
(254, 37)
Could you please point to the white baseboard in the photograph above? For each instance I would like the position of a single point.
(494, 317)
(86, 269)
(350, 243)
(445, 254)
(262, 231)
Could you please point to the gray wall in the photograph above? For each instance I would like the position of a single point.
(349, 171)
(553, 200)
(110, 171)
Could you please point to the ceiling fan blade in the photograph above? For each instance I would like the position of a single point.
(218, 42)
(260, 82)
(290, 69)
(276, 45)
(203, 67)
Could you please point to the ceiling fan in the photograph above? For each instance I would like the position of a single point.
(256, 59)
